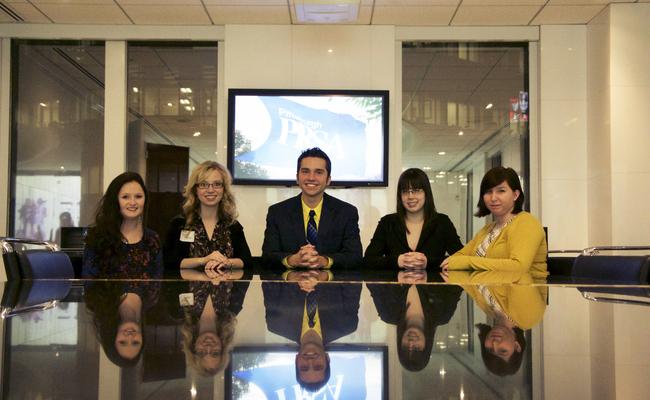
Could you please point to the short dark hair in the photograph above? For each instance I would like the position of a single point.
(314, 386)
(495, 177)
(495, 364)
(318, 153)
(415, 178)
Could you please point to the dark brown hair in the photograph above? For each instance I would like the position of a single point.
(415, 178)
(495, 177)
(496, 365)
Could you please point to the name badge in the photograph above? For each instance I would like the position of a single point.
(186, 299)
(187, 236)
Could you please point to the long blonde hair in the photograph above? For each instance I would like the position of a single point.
(227, 210)
(225, 327)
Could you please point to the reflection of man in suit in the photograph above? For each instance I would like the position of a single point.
(312, 316)
(312, 229)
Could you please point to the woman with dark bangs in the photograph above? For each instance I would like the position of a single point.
(514, 241)
(119, 244)
(512, 304)
(416, 236)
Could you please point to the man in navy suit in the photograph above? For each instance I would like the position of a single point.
(334, 237)
(335, 316)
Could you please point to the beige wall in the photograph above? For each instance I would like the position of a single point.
(563, 108)
(595, 83)
(297, 57)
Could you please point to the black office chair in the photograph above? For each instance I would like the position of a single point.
(25, 296)
(628, 272)
(23, 261)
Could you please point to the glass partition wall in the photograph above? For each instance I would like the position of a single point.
(172, 118)
(464, 110)
(57, 136)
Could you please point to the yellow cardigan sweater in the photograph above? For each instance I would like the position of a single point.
(518, 296)
(521, 246)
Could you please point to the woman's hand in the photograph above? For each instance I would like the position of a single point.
(444, 265)
(216, 260)
(412, 276)
(413, 259)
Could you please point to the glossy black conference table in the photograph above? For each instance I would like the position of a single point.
(574, 347)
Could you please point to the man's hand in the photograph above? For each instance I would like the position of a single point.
(413, 259)
(308, 257)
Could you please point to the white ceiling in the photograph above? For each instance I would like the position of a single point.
(371, 12)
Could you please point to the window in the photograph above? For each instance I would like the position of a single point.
(57, 136)
(481, 95)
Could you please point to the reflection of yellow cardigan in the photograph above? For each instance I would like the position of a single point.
(522, 302)
(521, 246)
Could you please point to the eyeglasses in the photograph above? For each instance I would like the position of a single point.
(412, 191)
(206, 185)
(203, 353)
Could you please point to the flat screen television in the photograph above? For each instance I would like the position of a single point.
(269, 128)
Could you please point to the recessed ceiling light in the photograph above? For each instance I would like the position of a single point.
(197, 133)
(489, 106)
(330, 50)
(62, 167)
(441, 153)
(135, 89)
(170, 105)
(461, 133)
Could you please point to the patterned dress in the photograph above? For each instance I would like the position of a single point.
(142, 260)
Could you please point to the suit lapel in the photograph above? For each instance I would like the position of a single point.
(297, 222)
(326, 219)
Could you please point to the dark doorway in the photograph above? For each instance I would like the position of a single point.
(167, 172)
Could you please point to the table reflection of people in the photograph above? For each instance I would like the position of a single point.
(312, 315)
(119, 241)
(512, 305)
(210, 316)
(515, 241)
(208, 234)
(118, 316)
(416, 310)
(416, 236)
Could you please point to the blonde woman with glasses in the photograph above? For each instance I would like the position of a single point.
(207, 235)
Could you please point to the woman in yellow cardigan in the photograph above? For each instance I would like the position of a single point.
(514, 241)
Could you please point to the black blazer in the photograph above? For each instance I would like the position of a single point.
(438, 301)
(174, 251)
(338, 231)
(438, 238)
(338, 309)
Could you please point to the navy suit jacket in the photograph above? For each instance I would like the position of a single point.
(338, 231)
(338, 309)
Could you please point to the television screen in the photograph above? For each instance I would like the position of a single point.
(356, 372)
(269, 128)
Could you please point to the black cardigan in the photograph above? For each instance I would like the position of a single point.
(438, 238)
(174, 251)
